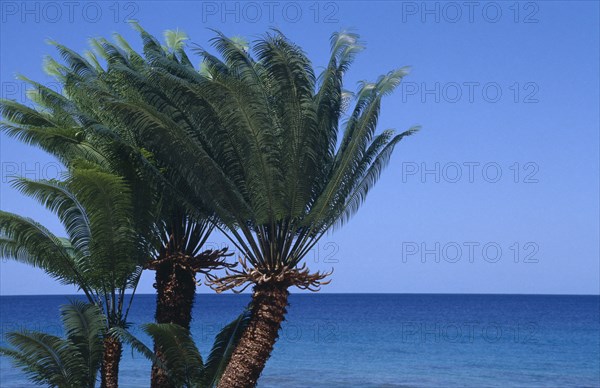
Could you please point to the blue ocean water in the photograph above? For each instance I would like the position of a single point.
(383, 340)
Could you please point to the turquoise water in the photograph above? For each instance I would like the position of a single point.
(383, 340)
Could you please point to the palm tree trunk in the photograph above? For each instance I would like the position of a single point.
(110, 362)
(248, 360)
(159, 378)
(176, 289)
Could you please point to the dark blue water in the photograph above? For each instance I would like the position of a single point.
(383, 340)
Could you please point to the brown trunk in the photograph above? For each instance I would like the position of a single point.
(248, 360)
(160, 379)
(176, 289)
(110, 362)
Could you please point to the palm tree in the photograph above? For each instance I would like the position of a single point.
(284, 178)
(179, 260)
(102, 255)
(59, 127)
(74, 126)
(70, 362)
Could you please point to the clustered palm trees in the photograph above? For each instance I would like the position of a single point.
(159, 154)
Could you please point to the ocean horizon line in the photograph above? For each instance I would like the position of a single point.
(343, 293)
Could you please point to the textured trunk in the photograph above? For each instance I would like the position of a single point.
(110, 362)
(176, 288)
(252, 352)
(160, 379)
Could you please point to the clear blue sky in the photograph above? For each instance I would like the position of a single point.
(508, 158)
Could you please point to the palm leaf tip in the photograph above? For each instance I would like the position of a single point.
(175, 39)
(411, 131)
(182, 359)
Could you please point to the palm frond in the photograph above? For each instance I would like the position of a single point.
(31, 243)
(45, 359)
(57, 198)
(71, 362)
(225, 342)
(126, 337)
(84, 326)
(182, 359)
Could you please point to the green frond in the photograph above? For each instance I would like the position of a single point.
(182, 359)
(53, 68)
(71, 362)
(241, 42)
(93, 59)
(225, 342)
(126, 337)
(108, 203)
(17, 113)
(45, 359)
(123, 44)
(57, 198)
(84, 326)
(76, 63)
(175, 39)
(29, 242)
(373, 163)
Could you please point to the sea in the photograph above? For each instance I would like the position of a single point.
(380, 340)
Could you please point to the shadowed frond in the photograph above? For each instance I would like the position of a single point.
(29, 242)
(181, 356)
(224, 345)
(46, 359)
(126, 337)
(57, 198)
(70, 362)
(84, 326)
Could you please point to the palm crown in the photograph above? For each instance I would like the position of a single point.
(283, 176)
(102, 254)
